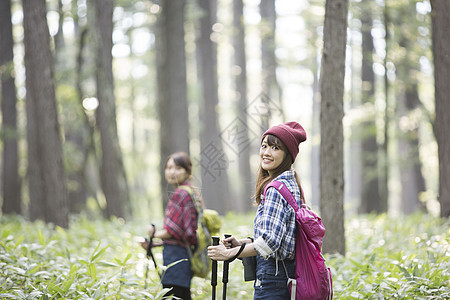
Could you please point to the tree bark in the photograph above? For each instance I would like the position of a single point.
(270, 85)
(10, 167)
(441, 53)
(172, 85)
(240, 135)
(214, 161)
(332, 111)
(412, 180)
(384, 182)
(370, 195)
(48, 196)
(112, 172)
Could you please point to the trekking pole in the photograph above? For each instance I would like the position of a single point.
(214, 269)
(150, 253)
(226, 266)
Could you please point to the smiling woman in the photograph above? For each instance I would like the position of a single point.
(274, 225)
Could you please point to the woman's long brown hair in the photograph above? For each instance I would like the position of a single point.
(263, 178)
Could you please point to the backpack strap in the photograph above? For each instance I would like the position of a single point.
(284, 191)
(199, 210)
(191, 193)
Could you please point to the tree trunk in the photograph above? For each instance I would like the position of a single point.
(81, 138)
(412, 181)
(332, 111)
(48, 198)
(213, 160)
(370, 196)
(10, 167)
(313, 135)
(172, 86)
(270, 85)
(384, 155)
(441, 49)
(112, 173)
(240, 137)
(60, 46)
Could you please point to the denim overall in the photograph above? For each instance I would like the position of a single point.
(271, 279)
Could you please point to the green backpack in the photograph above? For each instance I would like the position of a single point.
(208, 225)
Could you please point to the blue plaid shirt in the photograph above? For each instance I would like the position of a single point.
(274, 225)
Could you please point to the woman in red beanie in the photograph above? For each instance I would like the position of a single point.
(274, 224)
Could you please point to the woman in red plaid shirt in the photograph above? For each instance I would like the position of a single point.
(180, 227)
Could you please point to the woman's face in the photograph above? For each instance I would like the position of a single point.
(175, 175)
(271, 156)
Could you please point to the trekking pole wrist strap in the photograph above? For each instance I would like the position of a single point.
(237, 254)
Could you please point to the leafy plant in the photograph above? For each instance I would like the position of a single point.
(387, 258)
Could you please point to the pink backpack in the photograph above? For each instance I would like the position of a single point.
(312, 277)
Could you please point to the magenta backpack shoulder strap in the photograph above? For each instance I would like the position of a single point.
(284, 191)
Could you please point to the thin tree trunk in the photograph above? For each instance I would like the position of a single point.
(412, 179)
(370, 196)
(384, 157)
(113, 178)
(441, 49)
(313, 135)
(332, 112)
(213, 161)
(48, 198)
(270, 85)
(172, 86)
(243, 202)
(10, 166)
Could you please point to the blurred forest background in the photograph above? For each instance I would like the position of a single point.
(96, 94)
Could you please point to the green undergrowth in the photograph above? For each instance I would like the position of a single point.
(387, 258)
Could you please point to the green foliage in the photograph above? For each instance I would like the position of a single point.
(394, 258)
(387, 258)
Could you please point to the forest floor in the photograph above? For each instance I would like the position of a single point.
(387, 258)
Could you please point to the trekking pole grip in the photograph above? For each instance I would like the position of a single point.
(214, 269)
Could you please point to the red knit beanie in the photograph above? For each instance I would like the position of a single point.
(291, 134)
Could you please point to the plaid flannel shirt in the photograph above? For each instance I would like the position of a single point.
(181, 218)
(274, 224)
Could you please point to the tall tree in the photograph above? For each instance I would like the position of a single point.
(72, 116)
(331, 127)
(408, 103)
(370, 193)
(48, 197)
(112, 173)
(313, 63)
(270, 85)
(10, 168)
(243, 202)
(213, 160)
(441, 52)
(172, 86)
(384, 191)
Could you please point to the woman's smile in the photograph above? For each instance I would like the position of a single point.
(271, 156)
